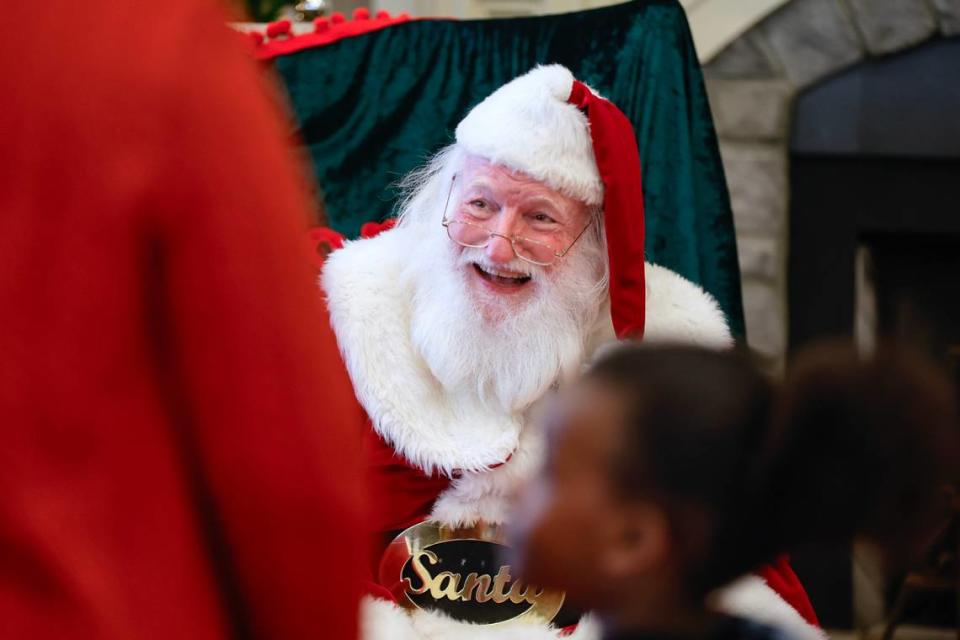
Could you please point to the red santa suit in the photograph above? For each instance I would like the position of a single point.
(445, 457)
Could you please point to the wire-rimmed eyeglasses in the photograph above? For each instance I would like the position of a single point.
(477, 236)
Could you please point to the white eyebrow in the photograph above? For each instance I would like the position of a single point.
(479, 185)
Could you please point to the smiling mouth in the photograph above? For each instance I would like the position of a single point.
(500, 277)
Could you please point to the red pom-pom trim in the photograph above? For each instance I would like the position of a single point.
(321, 242)
(372, 229)
(284, 40)
(279, 28)
(256, 37)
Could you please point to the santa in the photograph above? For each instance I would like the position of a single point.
(517, 255)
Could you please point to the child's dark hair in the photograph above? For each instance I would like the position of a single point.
(746, 469)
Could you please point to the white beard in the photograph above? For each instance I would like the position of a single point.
(511, 359)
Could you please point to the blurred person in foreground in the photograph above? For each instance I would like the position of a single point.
(177, 430)
(661, 486)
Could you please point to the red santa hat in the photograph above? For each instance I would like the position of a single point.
(554, 128)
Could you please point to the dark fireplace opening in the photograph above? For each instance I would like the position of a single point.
(916, 286)
(839, 204)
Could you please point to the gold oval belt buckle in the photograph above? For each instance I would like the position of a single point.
(460, 572)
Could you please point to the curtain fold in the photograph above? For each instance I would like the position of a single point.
(371, 108)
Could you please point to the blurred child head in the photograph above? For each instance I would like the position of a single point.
(673, 470)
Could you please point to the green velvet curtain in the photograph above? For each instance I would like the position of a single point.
(372, 107)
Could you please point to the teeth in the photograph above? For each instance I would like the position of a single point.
(502, 274)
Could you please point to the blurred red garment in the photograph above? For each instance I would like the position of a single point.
(178, 438)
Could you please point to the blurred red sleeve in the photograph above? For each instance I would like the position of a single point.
(263, 395)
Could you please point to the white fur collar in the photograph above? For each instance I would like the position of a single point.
(369, 297)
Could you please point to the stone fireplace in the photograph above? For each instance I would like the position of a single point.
(839, 123)
(754, 85)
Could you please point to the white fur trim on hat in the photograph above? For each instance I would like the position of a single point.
(528, 125)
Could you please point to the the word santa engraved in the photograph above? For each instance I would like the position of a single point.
(462, 573)
(482, 588)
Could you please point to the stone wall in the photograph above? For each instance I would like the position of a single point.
(752, 85)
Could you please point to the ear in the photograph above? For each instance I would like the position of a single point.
(639, 542)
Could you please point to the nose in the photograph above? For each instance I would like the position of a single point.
(499, 249)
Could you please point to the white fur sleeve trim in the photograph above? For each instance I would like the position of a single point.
(435, 626)
(587, 629)
(752, 598)
(680, 311)
(382, 620)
